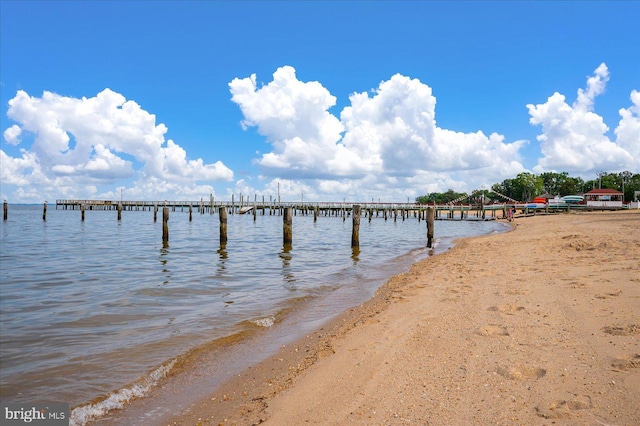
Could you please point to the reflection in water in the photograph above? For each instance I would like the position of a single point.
(355, 254)
(164, 252)
(222, 252)
(287, 271)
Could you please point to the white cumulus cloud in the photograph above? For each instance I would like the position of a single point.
(294, 117)
(628, 130)
(574, 138)
(390, 133)
(12, 134)
(80, 143)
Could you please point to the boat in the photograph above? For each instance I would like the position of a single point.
(573, 199)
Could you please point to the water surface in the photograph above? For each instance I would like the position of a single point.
(87, 308)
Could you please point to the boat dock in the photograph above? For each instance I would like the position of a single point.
(369, 209)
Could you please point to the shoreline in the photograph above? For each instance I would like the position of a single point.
(508, 340)
(162, 302)
(207, 366)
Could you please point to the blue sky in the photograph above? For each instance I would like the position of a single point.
(356, 100)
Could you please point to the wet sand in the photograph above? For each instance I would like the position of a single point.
(540, 325)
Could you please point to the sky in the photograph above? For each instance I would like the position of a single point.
(320, 101)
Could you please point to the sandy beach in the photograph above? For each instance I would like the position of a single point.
(536, 326)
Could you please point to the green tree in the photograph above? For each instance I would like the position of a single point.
(561, 183)
(551, 181)
(524, 187)
(506, 188)
(606, 180)
(571, 186)
(528, 185)
(440, 198)
(610, 180)
(629, 183)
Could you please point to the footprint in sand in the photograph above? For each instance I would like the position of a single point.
(622, 330)
(626, 363)
(506, 309)
(460, 289)
(572, 237)
(575, 284)
(492, 330)
(609, 295)
(516, 292)
(521, 372)
(562, 408)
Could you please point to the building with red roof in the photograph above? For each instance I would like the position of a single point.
(604, 197)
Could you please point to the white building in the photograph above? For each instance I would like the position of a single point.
(604, 197)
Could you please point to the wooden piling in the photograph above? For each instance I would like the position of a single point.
(165, 225)
(5, 210)
(44, 212)
(82, 213)
(119, 211)
(287, 227)
(315, 213)
(355, 232)
(155, 213)
(431, 214)
(222, 211)
(190, 212)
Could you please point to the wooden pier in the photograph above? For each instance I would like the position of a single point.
(386, 211)
(422, 212)
(255, 207)
(341, 209)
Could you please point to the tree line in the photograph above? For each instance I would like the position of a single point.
(526, 186)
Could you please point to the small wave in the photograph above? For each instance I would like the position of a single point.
(421, 252)
(80, 416)
(264, 322)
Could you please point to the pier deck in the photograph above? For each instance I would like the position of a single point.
(246, 206)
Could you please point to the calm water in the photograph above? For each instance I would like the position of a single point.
(90, 307)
